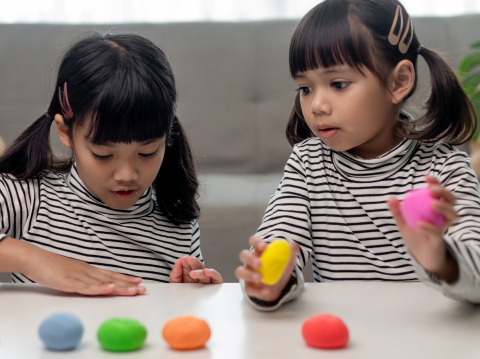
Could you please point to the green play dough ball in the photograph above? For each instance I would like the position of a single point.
(121, 334)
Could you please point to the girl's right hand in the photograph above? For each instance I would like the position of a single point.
(253, 279)
(74, 276)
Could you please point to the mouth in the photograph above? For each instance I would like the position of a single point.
(125, 194)
(327, 132)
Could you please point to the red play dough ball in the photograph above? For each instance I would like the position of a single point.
(325, 331)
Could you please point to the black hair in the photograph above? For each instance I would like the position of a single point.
(123, 85)
(356, 33)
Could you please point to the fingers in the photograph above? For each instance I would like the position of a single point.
(437, 190)
(447, 210)
(216, 277)
(258, 244)
(129, 291)
(194, 263)
(122, 277)
(250, 259)
(207, 276)
(176, 274)
(248, 274)
(441, 192)
(394, 206)
(101, 288)
(431, 180)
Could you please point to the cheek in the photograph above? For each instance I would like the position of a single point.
(305, 104)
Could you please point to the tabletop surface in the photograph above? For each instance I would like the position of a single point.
(385, 320)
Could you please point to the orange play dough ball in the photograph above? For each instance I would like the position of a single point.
(185, 333)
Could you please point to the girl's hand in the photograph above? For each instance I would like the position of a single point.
(189, 269)
(427, 244)
(253, 280)
(74, 276)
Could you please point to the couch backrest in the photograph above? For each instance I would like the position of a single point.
(235, 92)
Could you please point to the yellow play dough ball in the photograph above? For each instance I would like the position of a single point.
(274, 260)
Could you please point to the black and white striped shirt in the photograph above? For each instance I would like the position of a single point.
(333, 204)
(58, 213)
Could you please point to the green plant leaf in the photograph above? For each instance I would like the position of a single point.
(476, 103)
(469, 62)
(475, 45)
(471, 83)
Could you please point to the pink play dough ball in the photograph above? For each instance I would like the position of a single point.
(417, 206)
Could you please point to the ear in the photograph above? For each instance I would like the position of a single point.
(402, 79)
(62, 131)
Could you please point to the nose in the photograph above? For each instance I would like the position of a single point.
(125, 172)
(321, 104)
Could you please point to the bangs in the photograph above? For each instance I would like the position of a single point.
(131, 107)
(324, 38)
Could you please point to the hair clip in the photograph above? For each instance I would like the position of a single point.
(64, 104)
(402, 46)
(392, 38)
(395, 39)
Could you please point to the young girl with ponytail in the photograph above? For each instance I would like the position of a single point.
(123, 207)
(356, 154)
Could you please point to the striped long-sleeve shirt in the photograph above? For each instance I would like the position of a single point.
(333, 204)
(59, 214)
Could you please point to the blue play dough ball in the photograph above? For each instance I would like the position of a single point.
(61, 331)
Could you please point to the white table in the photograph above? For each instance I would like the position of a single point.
(386, 320)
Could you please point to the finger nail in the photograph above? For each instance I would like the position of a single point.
(258, 263)
(198, 271)
(257, 277)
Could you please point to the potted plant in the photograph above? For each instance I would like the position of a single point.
(469, 73)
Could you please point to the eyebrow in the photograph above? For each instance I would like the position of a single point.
(111, 144)
(324, 72)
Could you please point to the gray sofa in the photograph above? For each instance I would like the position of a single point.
(235, 94)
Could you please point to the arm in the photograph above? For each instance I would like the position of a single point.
(447, 258)
(44, 267)
(287, 217)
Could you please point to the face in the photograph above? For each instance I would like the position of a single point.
(348, 110)
(117, 173)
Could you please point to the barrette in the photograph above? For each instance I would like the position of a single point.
(64, 103)
(395, 39)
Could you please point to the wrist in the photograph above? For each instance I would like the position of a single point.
(13, 255)
(449, 271)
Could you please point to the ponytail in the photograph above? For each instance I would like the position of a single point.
(450, 115)
(176, 183)
(297, 129)
(30, 155)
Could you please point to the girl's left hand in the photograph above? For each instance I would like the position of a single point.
(427, 244)
(189, 269)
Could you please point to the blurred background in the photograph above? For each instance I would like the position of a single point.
(122, 11)
(230, 59)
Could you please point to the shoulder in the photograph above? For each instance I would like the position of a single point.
(446, 161)
(312, 147)
(11, 184)
(444, 154)
(309, 144)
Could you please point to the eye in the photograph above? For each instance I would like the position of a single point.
(98, 157)
(304, 90)
(340, 85)
(147, 155)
